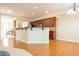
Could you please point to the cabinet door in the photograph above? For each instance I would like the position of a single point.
(49, 22)
(51, 35)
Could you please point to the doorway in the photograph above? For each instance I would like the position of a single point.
(6, 29)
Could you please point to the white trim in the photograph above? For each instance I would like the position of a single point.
(21, 40)
(32, 42)
(73, 41)
(37, 42)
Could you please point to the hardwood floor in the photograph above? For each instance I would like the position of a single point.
(54, 48)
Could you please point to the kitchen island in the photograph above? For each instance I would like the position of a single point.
(33, 35)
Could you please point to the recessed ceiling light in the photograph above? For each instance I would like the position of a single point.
(21, 14)
(32, 13)
(36, 7)
(46, 12)
(9, 11)
(14, 18)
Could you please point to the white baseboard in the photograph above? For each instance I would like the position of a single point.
(74, 41)
(37, 42)
(33, 42)
(48, 41)
(21, 40)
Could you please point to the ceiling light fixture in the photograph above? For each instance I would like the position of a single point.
(36, 7)
(73, 9)
(46, 12)
(21, 14)
(32, 13)
(9, 11)
(14, 18)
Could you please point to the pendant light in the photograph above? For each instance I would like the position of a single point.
(73, 9)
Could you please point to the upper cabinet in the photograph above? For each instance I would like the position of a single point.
(47, 22)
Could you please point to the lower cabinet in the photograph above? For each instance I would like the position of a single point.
(52, 35)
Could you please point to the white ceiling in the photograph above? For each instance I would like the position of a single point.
(28, 8)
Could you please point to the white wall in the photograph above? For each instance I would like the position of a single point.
(68, 27)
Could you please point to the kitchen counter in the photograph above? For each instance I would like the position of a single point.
(33, 35)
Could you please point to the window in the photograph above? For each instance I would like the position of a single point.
(24, 24)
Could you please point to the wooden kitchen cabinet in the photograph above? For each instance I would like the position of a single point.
(47, 22)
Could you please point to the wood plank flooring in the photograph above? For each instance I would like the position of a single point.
(54, 48)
